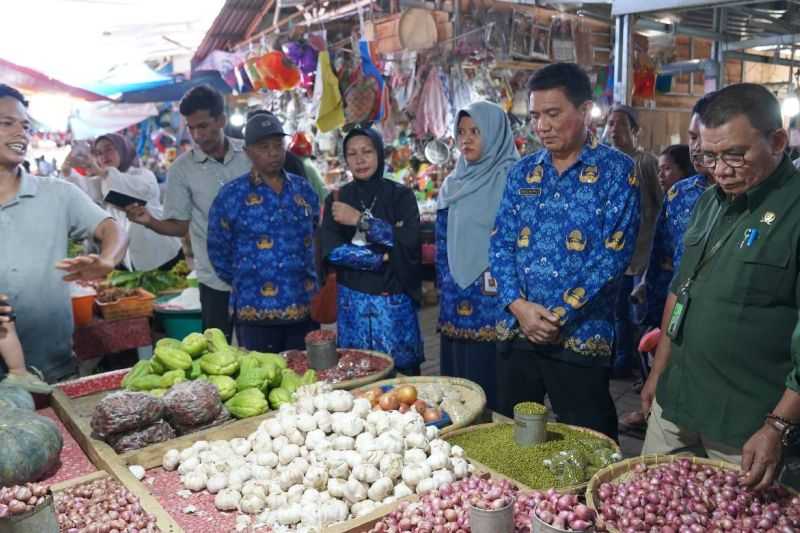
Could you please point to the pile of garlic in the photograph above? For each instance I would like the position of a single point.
(324, 459)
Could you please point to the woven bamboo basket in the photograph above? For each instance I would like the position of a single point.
(472, 394)
(624, 470)
(578, 488)
(366, 380)
(139, 305)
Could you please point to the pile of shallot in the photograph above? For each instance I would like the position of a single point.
(102, 506)
(563, 511)
(683, 497)
(446, 510)
(20, 499)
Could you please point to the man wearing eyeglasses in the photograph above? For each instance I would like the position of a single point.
(731, 354)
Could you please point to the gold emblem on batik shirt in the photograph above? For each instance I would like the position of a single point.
(576, 241)
(616, 242)
(589, 174)
(309, 285)
(254, 199)
(561, 313)
(672, 193)
(464, 308)
(537, 175)
(633, 180)
(264, 243)
(575, 298)
(524, 239)
(224, 224)
(269, 289)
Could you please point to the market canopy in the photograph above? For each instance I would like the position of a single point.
(30, 80)
(175, 90)
(81, 41)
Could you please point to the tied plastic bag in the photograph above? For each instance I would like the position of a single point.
(223, 417)
(122, 412)
(158, 432)
(569, 467)
(192, 403)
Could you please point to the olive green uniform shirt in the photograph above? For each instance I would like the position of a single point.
(734, 356)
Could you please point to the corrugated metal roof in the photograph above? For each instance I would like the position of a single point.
(229, 27)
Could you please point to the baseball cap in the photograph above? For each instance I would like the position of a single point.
(633, 115)
(261, 124)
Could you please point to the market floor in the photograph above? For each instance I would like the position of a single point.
(622, 390)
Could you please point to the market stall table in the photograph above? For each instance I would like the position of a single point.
(102, 337)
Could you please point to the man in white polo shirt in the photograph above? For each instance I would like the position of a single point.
(193, 181)
(37, 217)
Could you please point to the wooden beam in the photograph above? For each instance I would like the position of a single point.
(253, 26)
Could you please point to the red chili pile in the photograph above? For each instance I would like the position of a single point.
(320, 336)
(102, 506)
(20, 499)
(352, 364)
(446, 510)
(684, 497)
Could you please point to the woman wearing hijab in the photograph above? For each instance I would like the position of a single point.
(115, 167)
(370, 234)
(467, 206)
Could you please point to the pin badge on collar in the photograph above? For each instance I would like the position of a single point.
(768, 218)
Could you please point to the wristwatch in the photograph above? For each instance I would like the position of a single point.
(789, 431)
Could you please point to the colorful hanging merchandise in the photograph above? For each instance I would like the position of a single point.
(431, 111)
(362, 98)
(278, 71)
(331, 106)
(305, 57)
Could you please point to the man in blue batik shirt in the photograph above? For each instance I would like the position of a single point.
(565, 233)
(260, 241)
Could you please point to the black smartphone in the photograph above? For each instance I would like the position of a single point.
(122, 200)
(11, 315)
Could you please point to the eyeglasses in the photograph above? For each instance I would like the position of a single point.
(709, 160)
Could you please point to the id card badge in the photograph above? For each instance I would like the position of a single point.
(489, 284)
(678, 314)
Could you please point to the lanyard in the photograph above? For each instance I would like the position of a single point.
(707, 257)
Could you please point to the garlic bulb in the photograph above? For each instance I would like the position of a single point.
(380, 489)
(216, 483)
(355, 491)
(227, 500)
(252, 504)
(306, 422)
(195, 481)
(240, 446)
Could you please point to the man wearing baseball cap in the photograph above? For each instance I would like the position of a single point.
(260, 242)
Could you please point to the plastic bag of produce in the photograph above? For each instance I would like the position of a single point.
(125, 442)
(192, 403)
(195, 344)
(222, 363)
(122, 412)
(223, 417)
(249, 402)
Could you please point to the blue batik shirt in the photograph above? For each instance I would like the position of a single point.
(665, 257)
(564, 241)
(470, 313)
(261, 244)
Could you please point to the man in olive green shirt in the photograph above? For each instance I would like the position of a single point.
(727, 370)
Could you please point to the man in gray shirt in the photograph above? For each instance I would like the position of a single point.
(193, 181)
(37, 217)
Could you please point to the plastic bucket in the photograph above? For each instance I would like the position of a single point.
(495, 521)
(530, 430)
(322, 355)
(82, 310)
(42, 519)
(542, 527)
(178, 324)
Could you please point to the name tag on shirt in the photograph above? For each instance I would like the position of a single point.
(489, 285)
(530, 192)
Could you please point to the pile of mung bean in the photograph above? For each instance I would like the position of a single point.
(530, 409)
(494, 446)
